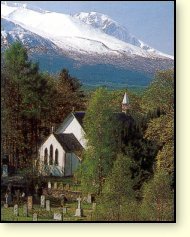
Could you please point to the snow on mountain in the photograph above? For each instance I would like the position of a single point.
(72, 34)
(12, 32)
(111, 27)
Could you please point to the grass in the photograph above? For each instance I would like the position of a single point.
(7, 214)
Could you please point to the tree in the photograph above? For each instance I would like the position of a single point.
(161, 130)
(24, 115)
(158, 198)
(118, 195)
(16, 66)
(103, 135)
(68, 96)
(160, 93)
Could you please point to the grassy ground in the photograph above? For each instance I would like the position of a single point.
(7, 214)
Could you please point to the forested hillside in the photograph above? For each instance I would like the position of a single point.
(128, 164)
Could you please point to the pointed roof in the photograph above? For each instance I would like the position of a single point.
(69, 142)
(79, 115)
(125, 99)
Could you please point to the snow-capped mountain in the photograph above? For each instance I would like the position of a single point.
(11, 32)
(113, 28)
(72, 34)
(82, 40)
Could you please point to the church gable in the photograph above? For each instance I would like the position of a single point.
(73, 124)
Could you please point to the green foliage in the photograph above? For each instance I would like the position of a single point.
(39, 103)
(161, 130)
(16, 59)
(165, 156)
(160, 93)
(118, 194)
(103, 134)
(158, 201)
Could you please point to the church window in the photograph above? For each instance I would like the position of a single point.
(51, 155)
(45, 156)
(56, 157)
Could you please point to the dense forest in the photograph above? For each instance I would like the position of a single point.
(128, 165)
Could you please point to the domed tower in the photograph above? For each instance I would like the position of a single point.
(125, 103)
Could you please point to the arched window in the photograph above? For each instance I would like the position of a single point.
(51, 155)
(56, 157)
(45, 156)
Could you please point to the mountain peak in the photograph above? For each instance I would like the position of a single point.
(113, 28)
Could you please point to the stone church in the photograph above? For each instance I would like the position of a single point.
(60, 153)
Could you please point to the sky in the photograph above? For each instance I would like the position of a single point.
(150, 21)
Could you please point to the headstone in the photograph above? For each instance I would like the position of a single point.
(79, 210)
(43, 198)
(57, 216)
(35, 217)
(6, 198)
(5, 171)
(49, 185)
(64, 210)
(30, 202)
(15, 210)
(25, 210)
(55, 185)
(89, 198)
(93, 205)
(47, 205)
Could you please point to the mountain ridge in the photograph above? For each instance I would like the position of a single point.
(79, 45)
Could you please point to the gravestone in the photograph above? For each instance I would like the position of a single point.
(49, 185)
(4, 170)
(79, 210)
(55, 185)
(47, 205)
(43, 198)
(35, 217)
(89, 198)
(15, 210)
(30, 202)
(25, 210)
(93, 205)
(64, 210)
(57, 216)
(8, 199)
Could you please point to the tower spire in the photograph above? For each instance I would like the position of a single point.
(125, 103)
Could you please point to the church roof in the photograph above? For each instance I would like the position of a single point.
(79, 115)
(69, 142)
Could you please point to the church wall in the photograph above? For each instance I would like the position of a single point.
(71, 164)
(57, 170)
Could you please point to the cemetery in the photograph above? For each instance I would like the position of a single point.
(58, 201)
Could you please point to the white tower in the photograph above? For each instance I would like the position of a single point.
(125, 103)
